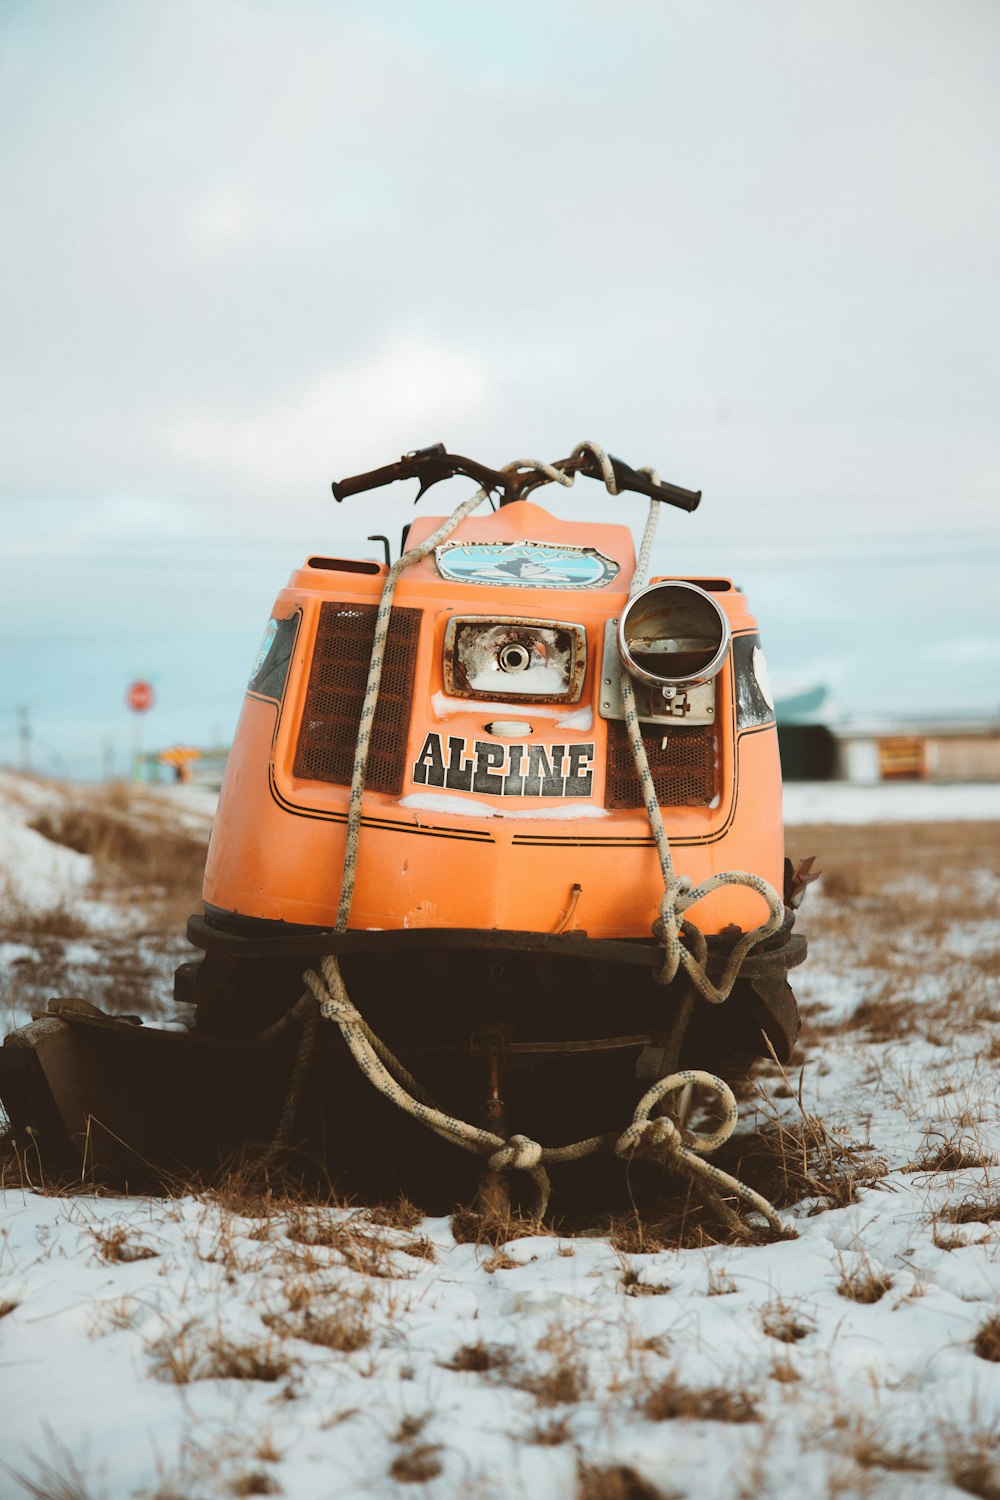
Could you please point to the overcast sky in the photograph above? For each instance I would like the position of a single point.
(250, 247)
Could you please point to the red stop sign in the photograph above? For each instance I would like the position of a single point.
(140, 697)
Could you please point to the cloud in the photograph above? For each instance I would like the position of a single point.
(339, 421)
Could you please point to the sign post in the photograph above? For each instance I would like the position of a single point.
(140, 698)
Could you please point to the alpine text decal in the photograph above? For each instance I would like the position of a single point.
(494, 770)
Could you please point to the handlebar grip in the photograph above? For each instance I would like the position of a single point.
(672, 494)
(669, 494)
(356, 483)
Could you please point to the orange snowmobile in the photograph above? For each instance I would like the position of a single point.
(513, 811)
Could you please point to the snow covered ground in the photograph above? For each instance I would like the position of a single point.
(889, 801)
(200, 1347)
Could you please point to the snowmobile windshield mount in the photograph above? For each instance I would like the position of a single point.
(431, 465)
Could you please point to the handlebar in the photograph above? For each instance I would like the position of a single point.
(431, 465)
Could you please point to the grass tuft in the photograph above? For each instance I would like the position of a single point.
(616, 1482)
(987, 1341)
(416, 1465)
(255, 1482)
(551, 1432)
(115, 1246)
(478, 1358)
(786, 1322)
(671, 1399)
(184, 1357)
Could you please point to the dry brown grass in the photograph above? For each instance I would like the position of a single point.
(971, 1460)
(952, 1156)
(28, 924)
(671, 1399)
(502, 1261)
(720, 1283)
(562, 1378)
(987, 1341)
(359, 1248)
(401, 1213)
(417, 1464)
(863, 1282)
(116, 1245)
(495, 1227)
(903, 869)
(255, 1482)
(58, 1478)
(633, 1285)
(549, 1432)
(617, 1482)
(192, 1354)
(343, 1329)
(870, 1451)
(786, 1321)
(479, 1358)
(790, 1161)
(131, 840)
(984, 1209)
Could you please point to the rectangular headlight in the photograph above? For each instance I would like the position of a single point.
(518, 659)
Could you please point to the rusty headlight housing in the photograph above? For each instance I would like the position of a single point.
(515, 659)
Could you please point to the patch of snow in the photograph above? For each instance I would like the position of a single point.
(582, 719)
(890, 802)
(468, 807)
(445, 706)
(537, 678)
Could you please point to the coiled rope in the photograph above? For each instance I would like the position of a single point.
(654, 1137)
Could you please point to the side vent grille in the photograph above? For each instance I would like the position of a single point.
(337, 677)
(682, 761)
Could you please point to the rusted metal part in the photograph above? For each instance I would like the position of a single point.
(487, 1048)
(662, 1056)
(477, 646)
(566, 916)
(797, 878)
(782, 1024)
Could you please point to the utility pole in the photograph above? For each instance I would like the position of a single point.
(24, 735)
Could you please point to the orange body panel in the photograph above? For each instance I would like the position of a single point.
(452, 859)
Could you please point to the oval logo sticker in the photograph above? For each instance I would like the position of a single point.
(536, 565)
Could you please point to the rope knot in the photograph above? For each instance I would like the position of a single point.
(521, 1153)
(657, 1140)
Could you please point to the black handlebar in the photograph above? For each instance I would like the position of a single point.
(431, 465)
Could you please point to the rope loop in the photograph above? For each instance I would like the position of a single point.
(551, 472)
(607, 470)
(657, 1140)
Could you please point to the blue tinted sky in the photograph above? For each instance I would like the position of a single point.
(249, 247)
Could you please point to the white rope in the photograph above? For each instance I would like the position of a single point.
(657, 1137)
(354, 810)
(678, 893)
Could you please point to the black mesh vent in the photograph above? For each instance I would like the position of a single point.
(682, 761)
(329, 728)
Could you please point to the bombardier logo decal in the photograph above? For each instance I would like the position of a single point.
(494, 770)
